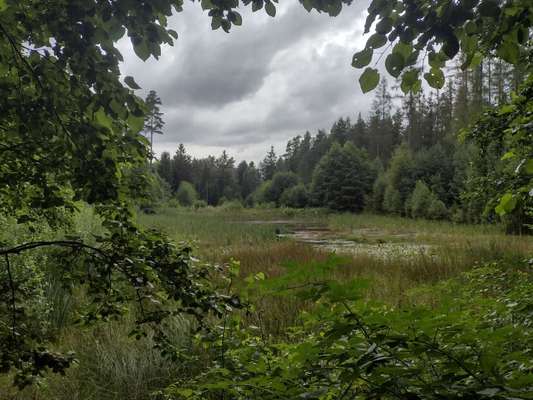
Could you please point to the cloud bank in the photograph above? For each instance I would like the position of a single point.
(259, 85)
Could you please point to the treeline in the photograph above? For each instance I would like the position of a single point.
(405, 158)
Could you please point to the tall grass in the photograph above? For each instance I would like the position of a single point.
(113, 366)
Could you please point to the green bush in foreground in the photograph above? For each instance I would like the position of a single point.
(186, 194)
(476, 343)
(295, 197)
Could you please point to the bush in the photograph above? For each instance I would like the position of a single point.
(249, 202)
(173, 203)
(421, 199)
(295, 197)
(186, 194)
(375, 201)
(231, 205)
(437, 210)
(423, 203)
(199, 204)
(259, 195)
(280, 182)
(392, 200)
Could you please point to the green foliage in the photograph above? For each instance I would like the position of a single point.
(343, 178)
(502, 176)
(441, 31)
(437, 209)
(376, 202)
(199, 204)
(392, 201)
(295, 197)
(281, 181)
(472, 344)
(423, 203)
(233, 205)
(186, 194)
(260, 194)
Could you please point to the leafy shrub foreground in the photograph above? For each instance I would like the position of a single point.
(474, 342)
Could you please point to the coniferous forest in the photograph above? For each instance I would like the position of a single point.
(389, 257)
(412, 156)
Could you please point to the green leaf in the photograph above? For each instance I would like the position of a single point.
(135, 123)
(235, 17)
(507, 204)
(3, 5)
(216, 22)
(270, 8)
(142, 50)
(528, 166)
(173, 33)
(362, 58)
(471, 27)
(403, 49)
(410, 81)
(384, 26)
(394, 64)
(102, 119)
(258, 4)
(335, 8)
(508, 155)
(435, 78)
(451, 46)
(509, 51)
(128, 80)
(436, 60)
(376, 41)
(369, 79)
(207, 5)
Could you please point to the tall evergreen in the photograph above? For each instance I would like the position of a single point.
(268, 165)
(343, 178)
(181, 167)
(153, 123)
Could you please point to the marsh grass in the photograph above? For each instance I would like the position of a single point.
(113, 366)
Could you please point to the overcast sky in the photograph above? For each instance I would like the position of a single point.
(259, 85)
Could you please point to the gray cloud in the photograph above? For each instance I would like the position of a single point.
(261, 84)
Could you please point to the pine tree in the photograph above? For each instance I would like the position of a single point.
(181, 167)
(343, 178)
(153, 123)
(268, 165)
(164, 167)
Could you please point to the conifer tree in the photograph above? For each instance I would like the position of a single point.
(268, 165)
(153, 123)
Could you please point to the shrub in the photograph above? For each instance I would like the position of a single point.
(421, 199)
(375, 201)
(437, 209)
(186, 194)
(200, 204)
(392, 200)
(295, 197)
(231, 205)
(173, 203)
(259, 196)
(423, 203)
(249, 202)
(280, 182)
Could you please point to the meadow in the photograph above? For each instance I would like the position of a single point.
(262, 242)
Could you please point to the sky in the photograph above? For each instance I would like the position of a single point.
(259, 85)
